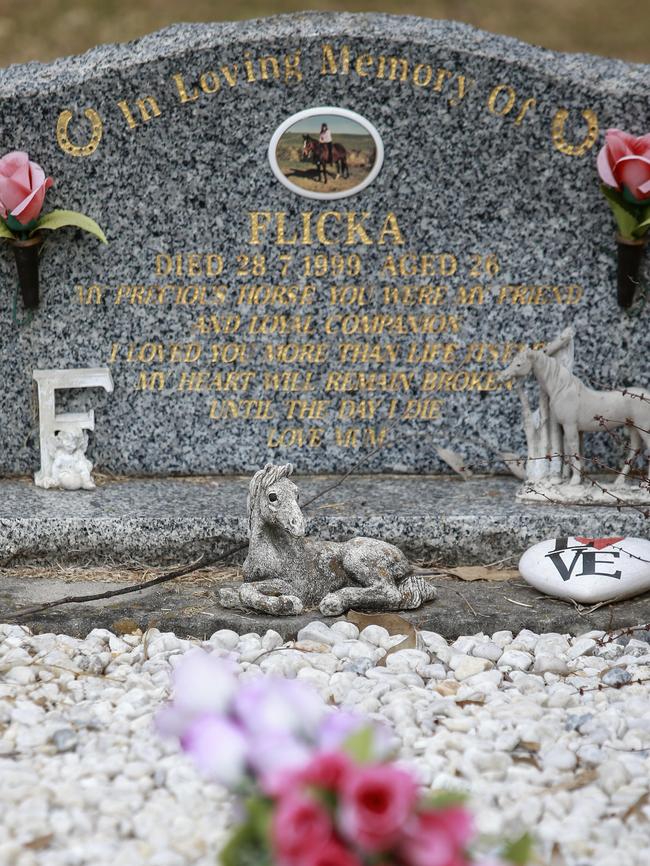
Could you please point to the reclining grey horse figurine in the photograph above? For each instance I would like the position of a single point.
(285, 572)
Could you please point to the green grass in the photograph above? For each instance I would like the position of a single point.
(45, 29)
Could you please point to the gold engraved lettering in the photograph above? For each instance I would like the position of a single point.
(527, 105)
(422, 75)
(209, 82)
(356, 230)
(147, 106)
(422, 410)
(380, 323)
(356, 380)
(252, 410)
(362, 409)
(430, 353)
(311, 410)
(296, 353)
(472, 295)
(363, 64)
(393, 64)
(357, 437)
(151, 381)
(182, 90)
(504, 107)
(364, 353)
(248, 66)
(91, 295)
(230, 74)
(320, 226)
(415, 295)
(96, 131)
(295, 437)
(292, 67)
(346, 295)
(391, 229)
(329, 65)
(462, 86)
(463, 380)
(558, 126)
(212, 324)
(288, 380)
(441, 76)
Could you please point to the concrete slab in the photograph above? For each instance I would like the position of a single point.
(187, 606)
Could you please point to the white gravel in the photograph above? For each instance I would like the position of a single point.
(545, 732)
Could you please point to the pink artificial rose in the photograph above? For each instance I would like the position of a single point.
(324, 771)
(332, 854)
(376, 802)
(22, 187)
(438, 838)
(300, 827)
(624, 161)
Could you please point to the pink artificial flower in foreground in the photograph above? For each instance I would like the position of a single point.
(202, 684)
(624, 161)
(22, 187)
(218, 748)
(300, 826)
(270, 705)
(322, 770)
(438, 838)
(376, 801)
(332, 854)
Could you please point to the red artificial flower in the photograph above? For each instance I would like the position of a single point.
(376, 802)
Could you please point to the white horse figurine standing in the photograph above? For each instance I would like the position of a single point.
(285, 572)
(577, 408)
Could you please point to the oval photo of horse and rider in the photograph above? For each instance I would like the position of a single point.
(326, 154)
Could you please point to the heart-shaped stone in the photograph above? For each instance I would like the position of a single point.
(588, 570)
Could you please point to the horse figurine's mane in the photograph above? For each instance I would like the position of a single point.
(558, 375)
(261, 481)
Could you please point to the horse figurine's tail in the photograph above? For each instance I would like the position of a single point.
(416, 590)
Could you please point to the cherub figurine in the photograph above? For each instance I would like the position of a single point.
(70, 467)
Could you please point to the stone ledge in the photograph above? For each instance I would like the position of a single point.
(191, 610)
(158, 521)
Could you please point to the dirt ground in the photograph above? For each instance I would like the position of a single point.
(45, 29)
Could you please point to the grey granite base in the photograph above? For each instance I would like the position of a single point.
(160, 521)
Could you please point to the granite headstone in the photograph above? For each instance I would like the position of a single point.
(244, 321)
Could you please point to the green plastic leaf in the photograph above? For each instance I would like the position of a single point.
(58, 219)
(360, 745)
(249, 843)
(444, 799)
(642, 228)
(5, 231)
(626, 215)
(519, 851)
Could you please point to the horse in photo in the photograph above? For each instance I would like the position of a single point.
(318, 152)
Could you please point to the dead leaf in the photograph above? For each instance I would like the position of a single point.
(311, 646)
(480, 572)
(529, 745)
(580, 780)
(515, 463)
(454, 461)
(635, 808)
(468, 703)
(40, 842)
(393, 623)
(446, 688)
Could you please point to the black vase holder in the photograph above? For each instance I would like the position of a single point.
(27, 254)
(630, 254)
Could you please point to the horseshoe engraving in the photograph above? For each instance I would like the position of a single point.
(558, 125)
(96, 129)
